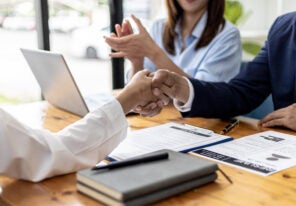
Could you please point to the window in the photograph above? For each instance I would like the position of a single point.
(17, 29)
(76, 31)
(256, 19)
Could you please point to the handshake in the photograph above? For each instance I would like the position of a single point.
(147, 93)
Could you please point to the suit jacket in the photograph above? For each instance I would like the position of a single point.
(271, 71)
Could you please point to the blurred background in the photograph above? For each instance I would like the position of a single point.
(77, 28)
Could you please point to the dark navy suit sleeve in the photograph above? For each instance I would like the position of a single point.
(272, 71)
(241, 95)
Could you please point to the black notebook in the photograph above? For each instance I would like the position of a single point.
(142, 184)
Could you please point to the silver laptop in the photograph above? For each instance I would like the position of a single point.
(57, 83)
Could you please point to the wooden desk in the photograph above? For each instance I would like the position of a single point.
(248, 189)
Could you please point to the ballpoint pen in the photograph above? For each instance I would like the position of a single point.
(230, 126)
(133, 161)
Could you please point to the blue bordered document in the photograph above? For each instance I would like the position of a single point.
(173, 136)
(263, 153)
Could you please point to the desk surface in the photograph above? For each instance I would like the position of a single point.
(247, 188)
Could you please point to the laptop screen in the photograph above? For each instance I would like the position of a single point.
(56, 81)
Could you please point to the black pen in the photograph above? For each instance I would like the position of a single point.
(230, 126)
(132, 161)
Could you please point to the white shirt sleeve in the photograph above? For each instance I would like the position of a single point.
(34, 154)
(187, 106)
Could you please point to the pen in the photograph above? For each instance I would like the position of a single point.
(230, 126)
(133, 161)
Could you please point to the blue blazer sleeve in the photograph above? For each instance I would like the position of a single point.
(241, 95)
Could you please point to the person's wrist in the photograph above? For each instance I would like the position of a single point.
(138, 63)
(135, 68)
(125, 98)
(154, 52)
(182, 94)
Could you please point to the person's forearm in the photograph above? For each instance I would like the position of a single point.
(80, 145)
(126, 101)
(162, 61)
(137, 65)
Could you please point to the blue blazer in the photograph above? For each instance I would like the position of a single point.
(272, 71)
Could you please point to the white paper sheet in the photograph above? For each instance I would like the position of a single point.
(263, 153)
(177, 137)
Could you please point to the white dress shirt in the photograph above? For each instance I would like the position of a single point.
(34, 154)
(187, 106)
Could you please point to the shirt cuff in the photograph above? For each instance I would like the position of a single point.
(117, 119)
(187, 106)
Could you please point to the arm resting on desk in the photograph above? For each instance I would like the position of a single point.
(33, 154)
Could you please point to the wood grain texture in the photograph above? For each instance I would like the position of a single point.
(247, 188)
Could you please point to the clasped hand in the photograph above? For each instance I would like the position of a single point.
(162, 86)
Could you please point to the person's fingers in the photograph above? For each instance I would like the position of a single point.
(160, 104)
(169, 91)
(129, 27)
(145, 72)
(159, 78)
(113, 35)
(142, 74)
(163, 77)
(150, 109)
(155, 111)
(139, 24)
(111, 41)
(138, 108)
(156, 91)
(163, 89)
(273, 115)
(146, 109)
(282, 117)
(118, 43)
(165, 99)
(150, 106)
(126, 28)
(150, 112)
(151, 74)
(117, 54)
(170, 81)
(161, 96)
(274, 122)
(118, 30)
(123, 40)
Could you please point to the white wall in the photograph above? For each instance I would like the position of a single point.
(264, 12)
(256, 26)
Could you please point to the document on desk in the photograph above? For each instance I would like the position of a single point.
(177, 137)
(263, 153)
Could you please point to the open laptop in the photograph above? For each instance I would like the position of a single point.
(57, 83)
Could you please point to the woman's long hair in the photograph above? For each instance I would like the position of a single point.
(215, 23)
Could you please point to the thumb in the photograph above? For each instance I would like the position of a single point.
(143, 73)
